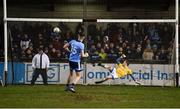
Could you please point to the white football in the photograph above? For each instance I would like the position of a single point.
(56, 30)
(106, 39)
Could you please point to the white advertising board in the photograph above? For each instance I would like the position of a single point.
(64, 69)
(53, 74)
(147, 74)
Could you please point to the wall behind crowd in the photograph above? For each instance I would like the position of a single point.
(99, 10)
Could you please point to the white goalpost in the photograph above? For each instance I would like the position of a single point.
(5, 43)
(7, 19)
(177, 43)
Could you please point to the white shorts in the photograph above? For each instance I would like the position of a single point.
(114, 74)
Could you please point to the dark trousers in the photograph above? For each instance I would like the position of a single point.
(36, 73)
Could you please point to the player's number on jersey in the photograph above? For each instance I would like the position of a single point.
(73, 50)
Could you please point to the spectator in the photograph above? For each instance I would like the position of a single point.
(58, 54)
(139, 52)
(133, 51)
(112, 49)
(129, 35)
(151, 31)
(46, 50)
(163, 54)
(23, 55)
(117, 48)
(39, 40)
(128, 52)
(15, 30)
(120, 52)
(120, 41)
(93, 50)
(124, 45)
(148, 54)
(98, 48)
(102, 54)
(16, 51)
(169, 54)
(137, 37)
(56, 43)
(148, 44)
(64, 55)
(29, 52)
(156, 37)
(155, 51)
(166, 34)
(98, 30)
(94, 53)
(24, 43)
(53, 53)
(17, 39)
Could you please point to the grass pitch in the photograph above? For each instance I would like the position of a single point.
(26, 96)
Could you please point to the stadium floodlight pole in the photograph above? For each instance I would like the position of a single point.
(177, 43)
(43, 20)
(5, 44)
(136, 20)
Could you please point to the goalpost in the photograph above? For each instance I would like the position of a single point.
(7, 19)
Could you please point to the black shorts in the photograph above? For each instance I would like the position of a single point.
(75, 66)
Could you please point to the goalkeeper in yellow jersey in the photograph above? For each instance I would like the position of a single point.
(119, 71)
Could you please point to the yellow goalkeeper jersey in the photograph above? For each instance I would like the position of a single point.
(122, 70)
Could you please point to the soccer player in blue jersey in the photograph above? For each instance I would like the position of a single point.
(76, 51)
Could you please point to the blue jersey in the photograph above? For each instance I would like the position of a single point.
(76, 48)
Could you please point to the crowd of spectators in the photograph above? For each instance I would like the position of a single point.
(138, 41)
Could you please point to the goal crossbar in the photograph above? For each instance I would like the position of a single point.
(42, 20)
(98, 20)
(137, 20)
